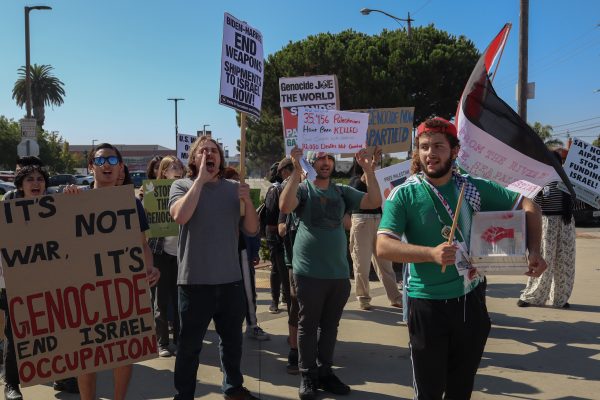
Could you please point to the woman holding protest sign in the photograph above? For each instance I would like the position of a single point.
(106, 164)
(164, 251)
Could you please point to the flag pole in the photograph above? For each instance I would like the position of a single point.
(500, 56)
(242, 157)
(455, 220)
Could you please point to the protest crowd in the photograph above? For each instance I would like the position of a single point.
(201, 268)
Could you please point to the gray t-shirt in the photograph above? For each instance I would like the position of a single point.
(208, 242)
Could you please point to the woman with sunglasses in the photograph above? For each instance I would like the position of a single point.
(164, 250)
(106, 164)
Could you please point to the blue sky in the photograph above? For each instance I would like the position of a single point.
(121, 60)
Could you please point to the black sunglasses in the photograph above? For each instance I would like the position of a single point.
(111, 160)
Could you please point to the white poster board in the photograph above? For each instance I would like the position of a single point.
(392, 176)
(498, 242)
(242, 67)
(184, 144)
(582, 166)
(319, 91)
(331, 131)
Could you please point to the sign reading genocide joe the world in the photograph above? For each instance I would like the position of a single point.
(331, 131)
(184, 144)
(311, 92)
(156, 204)
(76, 283)
(582, 166)
(242, 67)
(390, 128)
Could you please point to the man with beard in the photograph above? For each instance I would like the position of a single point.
(448, 322)
(207, 207)
(320, 266)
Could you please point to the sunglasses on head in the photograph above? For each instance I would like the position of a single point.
(111, 160)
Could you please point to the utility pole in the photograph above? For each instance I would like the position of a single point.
(522, 87)
(176, 99)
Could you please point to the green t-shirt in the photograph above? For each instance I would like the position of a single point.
(320, 243)
(409, 210)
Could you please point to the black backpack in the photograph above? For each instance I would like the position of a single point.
(262, 215)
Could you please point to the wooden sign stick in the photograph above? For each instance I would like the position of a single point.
(242, 157)
(455, 220)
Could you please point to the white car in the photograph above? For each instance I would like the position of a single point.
(84, 179)
(6, 187)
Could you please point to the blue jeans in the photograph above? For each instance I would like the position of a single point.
(225, 304)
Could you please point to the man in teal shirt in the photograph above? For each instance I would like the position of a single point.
(320, 266)
(448, 322)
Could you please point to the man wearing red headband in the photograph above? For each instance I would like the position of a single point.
(448, 322)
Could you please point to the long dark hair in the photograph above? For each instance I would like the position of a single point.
(193, 170)
(151, 165)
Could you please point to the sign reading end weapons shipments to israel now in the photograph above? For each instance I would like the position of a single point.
(156, 203)
(311, 92)
(76, 282)
(582, 166)
(390, 128)
(242, 67)
(331, 131)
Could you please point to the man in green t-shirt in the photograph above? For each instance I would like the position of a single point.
(320, 266)
(448, 322)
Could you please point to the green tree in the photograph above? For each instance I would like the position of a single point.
(427, 71)
(596, 142)
(10, 136)
(46, 90)
(545, 133)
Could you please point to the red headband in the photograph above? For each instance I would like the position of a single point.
(448, 127)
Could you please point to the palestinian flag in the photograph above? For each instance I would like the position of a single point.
(496, 143)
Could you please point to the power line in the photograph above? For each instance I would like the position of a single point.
(576, 122)
(569, 131)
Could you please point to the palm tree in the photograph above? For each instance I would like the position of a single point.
(46, 90)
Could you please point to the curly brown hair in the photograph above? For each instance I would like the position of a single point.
(415, 166)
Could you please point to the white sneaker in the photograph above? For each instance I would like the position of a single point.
(163, 351)
(256, 332)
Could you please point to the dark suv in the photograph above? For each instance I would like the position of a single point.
(62, 179)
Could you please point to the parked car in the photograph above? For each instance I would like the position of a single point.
(586, 215)
(84, 179)
(7, 176)
(62, 179)
(137, 177)
(6, 187)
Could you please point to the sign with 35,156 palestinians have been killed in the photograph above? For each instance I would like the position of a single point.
(582, 166)
(76, 283)
(242, 67)
(311, 92)
(331, 131)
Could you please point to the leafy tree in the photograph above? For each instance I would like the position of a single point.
(427, 71)
(545, 133)
(10, 136)
(596, 142)
(46, 90)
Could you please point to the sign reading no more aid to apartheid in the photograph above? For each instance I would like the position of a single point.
(390, 128)
(331, 131)
(242, 67)
(76, 283)
(319, 92)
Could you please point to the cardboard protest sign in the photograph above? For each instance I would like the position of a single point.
(156, 203)
(392, 176)
(242, 67)
(184, 144)
(319, 91)
(331, 131)
(485, 156)
(76, 283)
(390, 128)
(583, 169)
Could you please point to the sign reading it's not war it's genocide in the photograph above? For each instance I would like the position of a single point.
(390, 128)
(390, 177)
(242, 67)
(319, 92)
(184, 144)
(583, 169)
(331, 131)
(156, 203)
(76, 282)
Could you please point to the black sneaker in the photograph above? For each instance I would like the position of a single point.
(273, 309)
(292, 364)
(522, 303)
(332, 384)
(68, 385)
(240, 394)
(12, 392)
(308, 387)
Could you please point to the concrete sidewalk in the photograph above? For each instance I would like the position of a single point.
(532, 353)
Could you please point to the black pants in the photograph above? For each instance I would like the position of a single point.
(11, 373)
(166, 294)
(279, 271)
(447, 339)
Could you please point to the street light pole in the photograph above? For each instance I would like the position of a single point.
(176, 99)
(27, 58)
(204, 129)
(367, 11)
